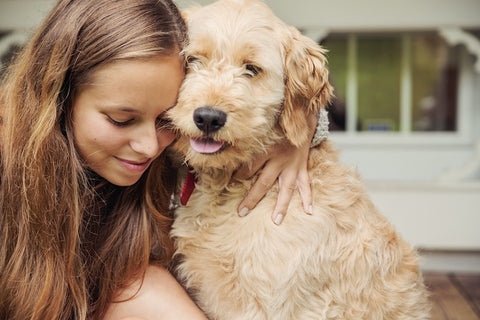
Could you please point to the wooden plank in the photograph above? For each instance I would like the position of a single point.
(470, 286)
(447, 301)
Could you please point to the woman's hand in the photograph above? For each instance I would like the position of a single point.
(287, 163)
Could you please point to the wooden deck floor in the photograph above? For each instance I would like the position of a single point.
(454, 295)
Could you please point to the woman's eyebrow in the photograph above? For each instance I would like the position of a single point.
(121, 108)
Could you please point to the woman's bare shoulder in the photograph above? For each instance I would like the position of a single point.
(159, 297)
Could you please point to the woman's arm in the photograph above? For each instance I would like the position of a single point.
(158, 297)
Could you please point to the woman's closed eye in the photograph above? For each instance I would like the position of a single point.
(161, 122)
(120, 123)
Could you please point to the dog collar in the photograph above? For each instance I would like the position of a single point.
(321, 133)
(188, 187)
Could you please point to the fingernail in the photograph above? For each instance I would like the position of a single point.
(243, 212)
(278, 218)
(309, 210)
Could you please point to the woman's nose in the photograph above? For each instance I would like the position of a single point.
(146, 142)
(151, 141)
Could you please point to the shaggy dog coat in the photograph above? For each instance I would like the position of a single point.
(253, 82)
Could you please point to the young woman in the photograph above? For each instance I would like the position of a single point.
(84, 186)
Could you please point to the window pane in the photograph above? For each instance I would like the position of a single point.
(434, 90)
(337, 65)
(378, 74)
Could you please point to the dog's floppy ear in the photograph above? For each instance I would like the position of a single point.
(307, 87)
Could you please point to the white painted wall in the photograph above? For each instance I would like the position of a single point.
(333, 15)
(348, 14)
(23, 14)
(430, 215)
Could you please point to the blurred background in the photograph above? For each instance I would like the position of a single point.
(407, 107)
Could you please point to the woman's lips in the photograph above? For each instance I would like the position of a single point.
(134, 166)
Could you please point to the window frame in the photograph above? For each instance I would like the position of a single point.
(463, 135)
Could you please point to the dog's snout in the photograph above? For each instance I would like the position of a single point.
(208, 119)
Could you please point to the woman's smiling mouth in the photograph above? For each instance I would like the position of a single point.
(134, 166)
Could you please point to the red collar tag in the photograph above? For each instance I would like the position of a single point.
(188, 187)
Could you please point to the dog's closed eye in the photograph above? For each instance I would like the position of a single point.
(252, 70)
(192, 60)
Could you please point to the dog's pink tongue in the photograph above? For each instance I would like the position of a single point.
(205, 146)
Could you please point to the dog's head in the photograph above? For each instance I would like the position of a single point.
(251, 80)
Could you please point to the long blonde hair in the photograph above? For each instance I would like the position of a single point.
(63, 249)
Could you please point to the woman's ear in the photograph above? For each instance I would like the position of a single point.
(306, 82)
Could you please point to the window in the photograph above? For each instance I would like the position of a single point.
(393, 82)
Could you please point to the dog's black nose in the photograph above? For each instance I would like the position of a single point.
(208, 119)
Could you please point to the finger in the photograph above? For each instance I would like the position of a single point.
(264, 183)
(304, 188)
(286, 188)
(248, 170)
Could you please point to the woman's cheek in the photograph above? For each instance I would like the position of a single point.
(165, 138)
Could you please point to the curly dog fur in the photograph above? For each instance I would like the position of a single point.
(253, 81)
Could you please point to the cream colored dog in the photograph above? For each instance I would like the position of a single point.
(252, 82)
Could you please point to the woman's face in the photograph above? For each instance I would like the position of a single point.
(119, 120)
